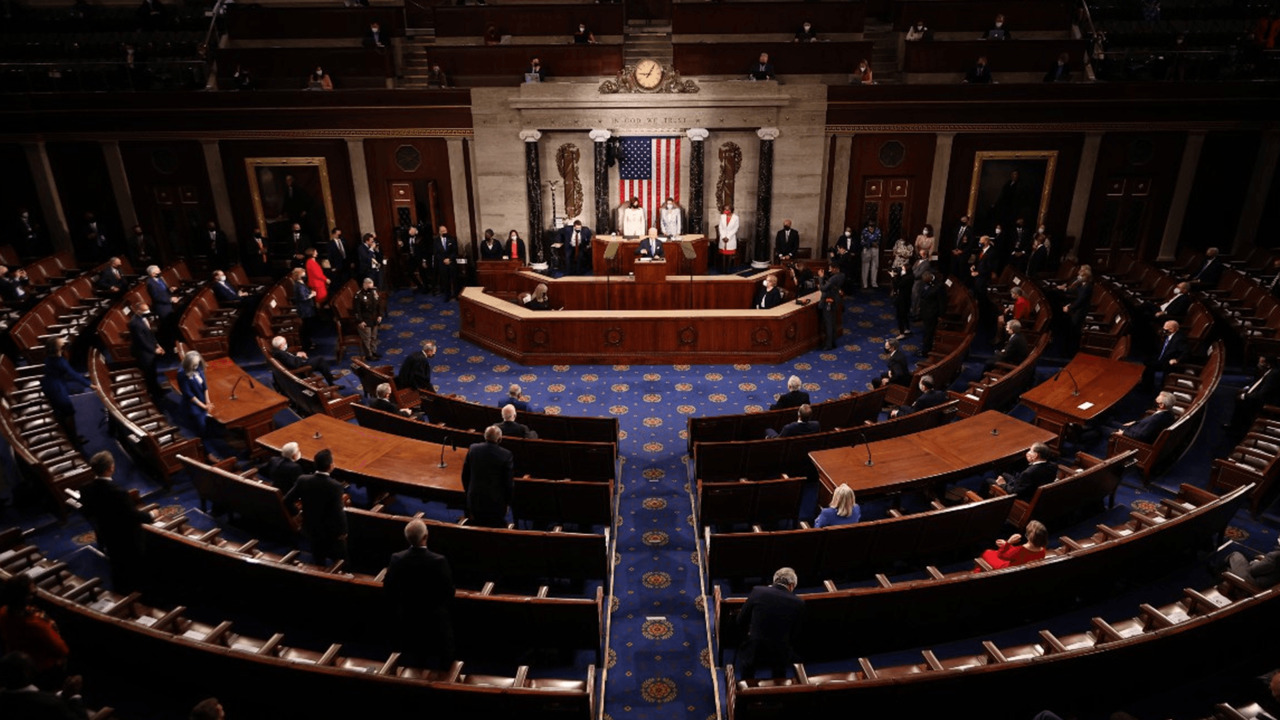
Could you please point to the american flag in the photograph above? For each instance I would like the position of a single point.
(649, 168)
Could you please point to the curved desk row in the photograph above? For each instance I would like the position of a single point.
(638, 336)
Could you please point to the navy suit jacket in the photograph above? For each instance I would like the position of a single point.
(282, 473)
(798, 427)
(933, 398)
(420, 585)
(192, 389)
(415, 373)
(161, 298)
(651, 247)
(115, 516)
(786, 242)
(584, 237)
(795, 398)
(771, 619)
(899, 373)
(1149, 428)
(322, 511)
(58, 379)
(110, 277)
(1015, 350)
(1024, 484)
(1175, 349)
(225, 292)
(488, 479)
(142, 341)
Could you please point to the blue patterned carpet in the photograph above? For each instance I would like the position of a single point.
(659, 657)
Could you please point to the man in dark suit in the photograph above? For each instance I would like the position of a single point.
(984, 270)
(256, 254)
(323, 519)
(13, 282)
(804, 424)
(767, 295)
(217, 247)
(144, 347)
(375, 37)
(1039, 471)
(160, 293)
(419, 585)
(294, 361)
(1264, 391)
(418, 251)
(577, 246)
(1038, 260)
(930, 396)
(511, 428)
(979, 74)
(97, 244)
(1263, 570)
(298, 242)
(1174, 349)
(1015, 349)
(762, 69)
(116, 520)
(831, 303)
(847, 255)
(1149, 428)
(962, 245)
(770, 620)
(650, 246)
(381, 400)
(111, 280)
(786, 244)
(514, 398)
(795, 397)
(1178, 304)
(342, 259)
(899, 373)
(1210, 272)
(415, 371)
(283, 470)
(487, 480)
(226, 293)
(444, 252)
(369, 260)
(933, 302)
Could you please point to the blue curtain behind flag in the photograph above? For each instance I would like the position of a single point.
(637, 158)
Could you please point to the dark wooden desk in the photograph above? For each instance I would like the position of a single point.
(638, 336)
(649, 289)
(1102, 383)
(377, 459)
(499, 275)
(253, 410)
(625, 262)
(931, 457)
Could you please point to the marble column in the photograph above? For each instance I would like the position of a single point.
(1084, 189)
(697, 138)
(55, 220)
(1181, 196)
(463, 226)
(120, 184)
(218, 185)
(764, 197)
(360, 183)
(832, 221)
(601, 179)
(534, 189)
(1264, 169)
(938, 184)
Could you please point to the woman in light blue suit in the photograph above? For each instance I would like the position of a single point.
(195, 391)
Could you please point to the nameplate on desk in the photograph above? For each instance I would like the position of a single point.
(1084, 406)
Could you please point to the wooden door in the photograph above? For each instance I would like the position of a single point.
(887, 200)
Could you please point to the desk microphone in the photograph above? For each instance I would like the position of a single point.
(1075, 391)
(447, 440)
(237, 384)
(867, 445)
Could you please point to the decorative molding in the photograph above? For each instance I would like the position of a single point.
(217, 135)
(625, 82)
(697, 134)
(530, 136)
(730, 163)
(599, 135)
(768, 133)
(1074, 128)
(696, 182)
(567, 157)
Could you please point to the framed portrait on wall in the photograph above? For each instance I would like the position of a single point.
(291, 190)
(1008, 185)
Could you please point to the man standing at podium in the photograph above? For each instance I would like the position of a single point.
(650, 246)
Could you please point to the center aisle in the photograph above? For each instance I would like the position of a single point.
(659, 660)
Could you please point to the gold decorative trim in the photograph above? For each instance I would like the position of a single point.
(1051, 165)
(251, 166)
(1073, 128)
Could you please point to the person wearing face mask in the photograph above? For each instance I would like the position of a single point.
(26, 233)
(963, 244)
(727, 228)
(767, 295)
(515, 249)
(1176, 307)
(979, 74)
(1171, 351)
(535, 72)
(1038, 258)
(862, 76)
(787, 243)
(633, 219)
(899, 373)
(1081, 293)
(1019, 244)
(846, 256)
(670, 220)
(583, 35)
(806, 33)
(319, 80)
(926, 242)
(491, 247)
(869, 244)
(997, 31)
(918, 32)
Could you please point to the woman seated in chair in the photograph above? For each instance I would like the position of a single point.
(844, 509)
(1014, 551)
(538, 300)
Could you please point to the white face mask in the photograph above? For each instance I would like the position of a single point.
(999, 24)
(806, 27)
(513, 237)
(1041, 229)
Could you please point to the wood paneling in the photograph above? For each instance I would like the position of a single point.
(1133, 157)
(506, 64)
(380, 156)
(979, 15)
(766, 17)
(265, 21)
(871, 158)
(957, 56)
(20, 192)
(80, 171)
(786, 57)
(1222, 181)
(171, 195)
(288, 68)
(471, 21)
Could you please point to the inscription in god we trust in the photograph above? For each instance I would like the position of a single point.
(617, 121)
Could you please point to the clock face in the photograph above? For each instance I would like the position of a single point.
(648, 74)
